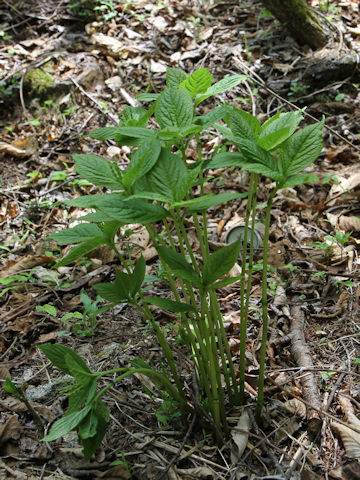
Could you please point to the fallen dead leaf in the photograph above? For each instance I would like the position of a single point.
(10, 430)
(27, 262)
(195, 473)
(20, 148)
(349, 437)
(240, 436)
(119, 472)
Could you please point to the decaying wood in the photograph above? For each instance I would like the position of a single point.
(301, 21)
(302, 356)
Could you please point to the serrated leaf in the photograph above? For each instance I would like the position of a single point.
(66, 424)
(147, 97)
(179, 266)
(230, 81)
(56, 354)
(90, 445)
(226, 281)
(299, 179)
(98, 171)
(211, 117)
(243, 124)
(79, 394)
(170, 305)
(142, 161)
(226, 159)
(81, 250)
(104, 133)
(258, 160)
(174, 108)
(88, 427)
(92, 201)
(216, 200)
(133, 117)
(285, 125)
(220, 262)
(169, 176)
(117, 292)
(137, 276)
(135, 211)
(79, 233)
(174, 76)
(198, 82)
(77, 369)
(273, 139)
(301, 150)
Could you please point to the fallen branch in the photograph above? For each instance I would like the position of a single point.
(302, 356)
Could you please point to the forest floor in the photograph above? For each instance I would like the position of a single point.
(88, 65)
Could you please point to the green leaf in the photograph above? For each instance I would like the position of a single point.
(226, 281)
(90, 445)
(211, 117)
(174, 76)
(299, 179)
(179, 266)
(142, 161)
(88, 427)
(169, 176)
(98, 171)
(81, 250)
(273, 139)
(226, 159)
(66, 424)
(79, 394)
(110, 229)
(56, 353)
(170, 305)
(285, 125)
(242, 124)
(137, 132)
(147, 97)
(230, 81)
(134, 117)
(105, 133)
(301, 150)
(79, 233)
(50, 309)
(149, 196)
(258, 160)
(77, 369)
(206, 203)
(137, 276)
(220, 262)
(11, 388)
(117, 292)
(134, 211)
(174, 108)
(92, 201)
(198, 82)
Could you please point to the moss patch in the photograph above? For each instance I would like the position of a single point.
(37, 82)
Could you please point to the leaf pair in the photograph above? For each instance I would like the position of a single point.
(219, 264)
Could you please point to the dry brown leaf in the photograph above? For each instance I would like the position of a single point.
(20, 148)
(240, 435)
(10, 430)
(296, 407)
(350, 471)
(195, 473)
(349, 437)
(27, 262)
(349, 224)
(119, 472)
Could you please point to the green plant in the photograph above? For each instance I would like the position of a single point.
(159, 185)
(84, 323)
(297, 90)
(107, 8)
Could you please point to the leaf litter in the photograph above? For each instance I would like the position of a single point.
(99, 65)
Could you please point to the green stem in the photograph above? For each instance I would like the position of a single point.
(243, 315)
(260, 397)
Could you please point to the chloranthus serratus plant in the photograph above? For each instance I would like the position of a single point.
(164, 191)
